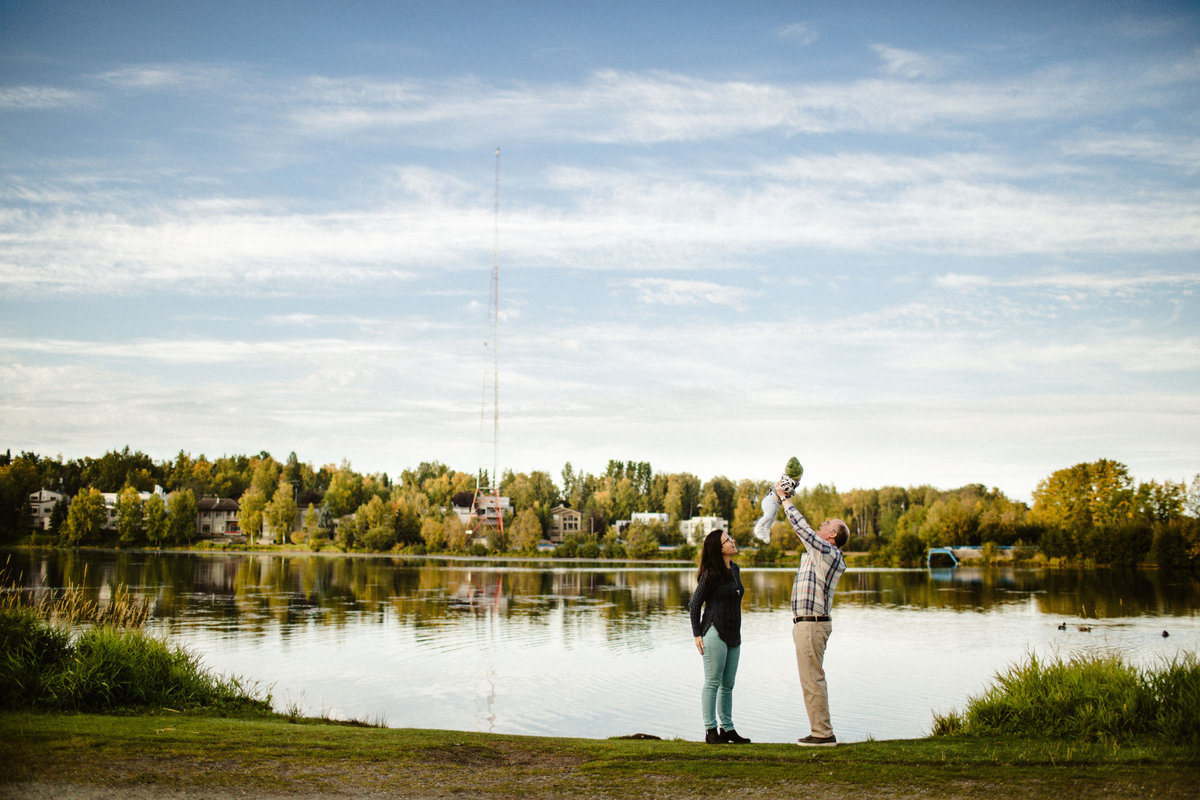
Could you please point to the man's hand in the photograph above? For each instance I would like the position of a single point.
(781, 491)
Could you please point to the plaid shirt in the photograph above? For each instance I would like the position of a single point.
(820, 567)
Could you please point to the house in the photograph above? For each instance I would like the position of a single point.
(650, 517)
(110, 505)
(644, 517)
(564, 522)
(695, 529)
(488, 512)
(217, 516)
(41, 506)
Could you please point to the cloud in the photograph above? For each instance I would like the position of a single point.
(800, 32)
(160, 77)
(1178, 152)
(41, 98)
(906, 63)
(1091, 282)
(677, 292)
(613, 106)
(417, 222)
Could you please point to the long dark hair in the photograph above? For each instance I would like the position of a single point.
(711, 558)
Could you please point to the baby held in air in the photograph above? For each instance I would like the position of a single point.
(770, 507)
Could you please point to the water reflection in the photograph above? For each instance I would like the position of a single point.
(600, 649)
(332, 590)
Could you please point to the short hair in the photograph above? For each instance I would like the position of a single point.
(842, 535)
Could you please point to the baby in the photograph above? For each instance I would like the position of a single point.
(770, 502)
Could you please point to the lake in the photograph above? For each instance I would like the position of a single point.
(599, 649)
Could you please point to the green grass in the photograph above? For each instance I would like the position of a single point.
(231, 756)
(46, 666)
(1089, 698)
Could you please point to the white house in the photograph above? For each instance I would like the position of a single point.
(695, 529)
(110, 505)
(644, 517)
(41, 506)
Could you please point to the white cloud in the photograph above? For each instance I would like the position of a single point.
(25, 98)
(800, 32)
(159, 77)
(907, 63)
(612, 106)
(1178, 152)
(674, 217)
(677, 292)
(1090, 282)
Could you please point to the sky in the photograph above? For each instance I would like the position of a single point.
(907, 243)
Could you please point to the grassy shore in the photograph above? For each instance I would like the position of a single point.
(197, 754)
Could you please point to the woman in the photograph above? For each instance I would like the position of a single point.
(718, 632)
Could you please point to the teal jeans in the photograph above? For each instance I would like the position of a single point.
(720, 671)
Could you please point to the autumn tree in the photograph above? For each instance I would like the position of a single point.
(1159, 502)
(409, 509)
(745, 514)
(130, 517)
(156, 520)
(86, 517)
(181, 514)
(456, 533)
(526, 531)
(18, 479)
(310, 530)
(433, 533)
(250, 516)
(717, 498)
(682, 498)
(376, 523)
(280, 513)
(345, 492)
(116, 468)
(641, 540)
(1084, 496)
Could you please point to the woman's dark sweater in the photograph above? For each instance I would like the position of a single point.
(722, 601)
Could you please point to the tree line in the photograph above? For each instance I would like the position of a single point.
(1090, 511)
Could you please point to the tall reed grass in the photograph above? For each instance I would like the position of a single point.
(1089, 698)
(71, 606)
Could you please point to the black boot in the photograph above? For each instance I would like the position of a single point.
(712, 736)
(731, 737)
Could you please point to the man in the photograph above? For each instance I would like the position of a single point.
(821, 565)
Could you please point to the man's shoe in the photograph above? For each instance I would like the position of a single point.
(817, 741)
(713, 736)
(731, 737)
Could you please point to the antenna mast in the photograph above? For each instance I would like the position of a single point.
(487, 510)
(494, 320)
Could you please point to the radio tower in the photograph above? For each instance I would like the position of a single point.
(487, 511)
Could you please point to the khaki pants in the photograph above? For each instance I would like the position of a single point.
(810, 639)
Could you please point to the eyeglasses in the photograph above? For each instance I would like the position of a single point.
(728, 541)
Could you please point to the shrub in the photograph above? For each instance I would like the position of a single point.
(909, 550)
(103, 668)
(1093, 698)
(29, 651)
(765, 554)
